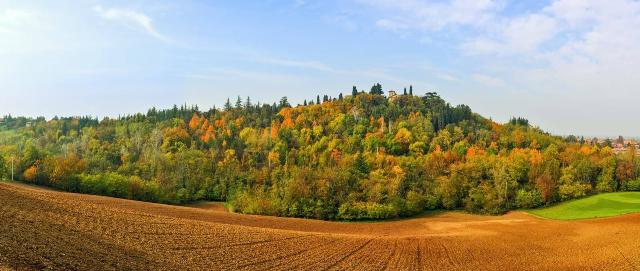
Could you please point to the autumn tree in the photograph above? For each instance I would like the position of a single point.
(356, 157)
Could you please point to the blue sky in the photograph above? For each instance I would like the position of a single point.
(567, 65)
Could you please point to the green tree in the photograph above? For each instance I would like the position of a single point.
(376, 89)
(284, 102)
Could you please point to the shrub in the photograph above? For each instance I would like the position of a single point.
(71, 184)
(415, 203)
(135, 188)
(573, 191)
(183, 195)
(606, 181)
(528, 199)
(116, 185)
(475, 201)
(366, 210)
(30, 174)
(633, 185)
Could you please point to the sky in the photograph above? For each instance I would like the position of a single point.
(569, 66)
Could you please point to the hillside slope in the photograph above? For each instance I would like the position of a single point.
(358, 157)
(43, 229)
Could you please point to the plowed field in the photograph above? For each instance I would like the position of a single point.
(43, 229)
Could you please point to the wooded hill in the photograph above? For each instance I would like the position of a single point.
(361, 156)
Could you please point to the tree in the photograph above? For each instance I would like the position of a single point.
(30, 173)
(356, 158)
(194, 123)
(227, 106)
(376, 89)
(626, 167)
(3, 167)
(284, 102)
(360, 165)
(238, 103)
(354, 91)
(548, 174)
(405, 91)
(410, 90)
(318, 99)
(247, 104)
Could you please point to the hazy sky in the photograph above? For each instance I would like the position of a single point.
(569, 66)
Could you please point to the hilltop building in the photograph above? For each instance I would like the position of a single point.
(392, 95)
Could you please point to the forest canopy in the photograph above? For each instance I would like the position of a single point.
(358, 156)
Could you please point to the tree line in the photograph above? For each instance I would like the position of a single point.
(358, 156)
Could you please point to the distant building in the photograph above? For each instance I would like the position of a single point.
(392, 95)
(620, 140)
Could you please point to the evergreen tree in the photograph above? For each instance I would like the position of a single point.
(284, 102)
(410, 90)
(247, 104)
(305, 102)
(227, 106)
(318, 99)
(405, 91)
(340, 96)
(239, 103)
(354, 91)
(376, 89)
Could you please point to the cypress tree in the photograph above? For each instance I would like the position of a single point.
(247, 103)
(227, 106)
(238, 103)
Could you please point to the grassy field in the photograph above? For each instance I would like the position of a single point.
(602, 205)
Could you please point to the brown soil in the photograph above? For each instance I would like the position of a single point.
(44, 229)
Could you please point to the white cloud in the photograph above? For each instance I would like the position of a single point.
(517, 35)
(14, 20)
(527, 33)
(431, 15)
(131, 18)
(583, 53)
(566, 43)
(28, 31)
